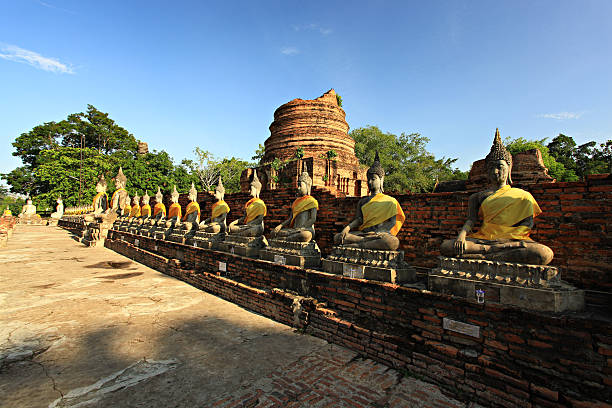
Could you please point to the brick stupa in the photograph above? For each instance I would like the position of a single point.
(316, 126)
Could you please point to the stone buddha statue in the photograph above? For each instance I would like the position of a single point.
(378, 218)
(191, 220)
(28, 210)
(175, 211)
(135, 210)
(159, 209)
(299, 227)
(7, 212)
(100, 200)
(251, 224)
(118, 199)
(145, 209)
(216, 223)
(59, 210)
(507, 219)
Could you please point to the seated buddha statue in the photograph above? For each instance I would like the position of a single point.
(28, 210)
(378, 218)
(118, 198)
(175, 211)
(159, 209)
(191, 219)
(7, 212)
(216, 223)
(507, 219)
(299, 227)
(59, 210)
(99, 202)
(135, 210)
(251, 224)
(145, 209)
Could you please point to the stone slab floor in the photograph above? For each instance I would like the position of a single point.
(87, 327)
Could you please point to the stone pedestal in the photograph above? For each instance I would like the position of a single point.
(32, 220)
(177, 235)
(533, 287)
(243, 246)
(96, 232)
(302, 254)
(161, 232)
(207, 240)
(386, 266)
(52, 222)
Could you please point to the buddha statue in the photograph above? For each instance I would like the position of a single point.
(100, 200)
(175, 211)
(191, 220)
(7, 212)
(507, 219)
(59, 210)
(378, 218)
(135, 210)
(299, 227)
(145, 209)
(251, 224)
(216, 223)
(28, 210)
(159, 209)
(118, 199)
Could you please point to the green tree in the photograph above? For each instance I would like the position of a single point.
(407, 163)
(259, 153)
(556, 169)
(208, 168)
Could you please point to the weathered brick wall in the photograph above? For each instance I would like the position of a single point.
(576, 223)
(520, 358)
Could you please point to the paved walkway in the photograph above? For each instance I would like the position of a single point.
(87, 327)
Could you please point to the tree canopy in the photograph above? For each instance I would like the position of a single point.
(407, 163)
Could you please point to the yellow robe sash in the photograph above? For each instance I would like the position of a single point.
(113, 197)
(254, 208)
(302, 204)
(145, 210)
(503, 209)
(379, 209)
(159, 207)
(135, 212)
(175, 211)
(219, 208)
(97, 197)
(191, 208)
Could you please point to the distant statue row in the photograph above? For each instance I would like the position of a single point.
(507, 215)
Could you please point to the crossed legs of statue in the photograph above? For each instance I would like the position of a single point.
(370, 240)
(211, 228)
(246, 230)
(293, 235)
(526, 252)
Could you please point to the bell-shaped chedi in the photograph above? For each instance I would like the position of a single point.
(317, 126)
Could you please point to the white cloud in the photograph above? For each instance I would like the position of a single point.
(313, 27)
(560, 115)
(289, 51)
(17, 54)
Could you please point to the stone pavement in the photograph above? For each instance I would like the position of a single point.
(87, 327)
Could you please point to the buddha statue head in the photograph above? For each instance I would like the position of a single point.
(376, 176)
(136, 200)
(159, 197)
(120, 179)
(220, 190)
(304, 183)
(145, 198)
(499, 162)
(28, 201)
(175, 195)
(59, 199)
(193, 193)
(255, 185)
(101, 185)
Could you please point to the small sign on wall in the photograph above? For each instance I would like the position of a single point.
(232, 250)
(353, 271)
(279, 259)
(460, 327)
(155, 248)
(222, 266)
(195, 244)
(136, 242)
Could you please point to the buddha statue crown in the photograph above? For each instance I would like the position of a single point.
(499, 152)
(255, 182)
(120, 178)
(159, 196)
(146, 198)
(220, 187)
(174, 195)
(305, 177)
(193, 193)
(101, 184)
(376, 168)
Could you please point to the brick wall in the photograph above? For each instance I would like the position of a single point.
(575, 223)
(520, 358)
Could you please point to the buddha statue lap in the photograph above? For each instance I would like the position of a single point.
(500, 262)
(367, 246)
(212, 230)
(245, 235)
(291, 242)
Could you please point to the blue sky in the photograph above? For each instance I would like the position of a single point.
(210, 74)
